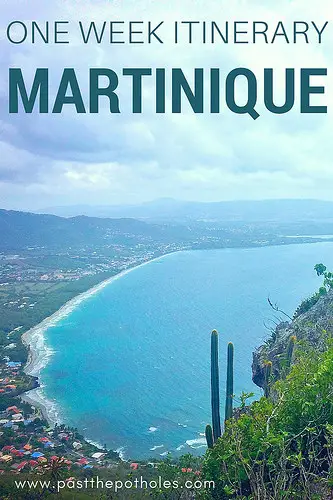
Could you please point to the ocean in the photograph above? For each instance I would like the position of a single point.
(129, 366)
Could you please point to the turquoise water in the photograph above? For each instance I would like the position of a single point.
(131, 364)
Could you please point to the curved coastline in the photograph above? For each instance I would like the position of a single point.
(40, 353)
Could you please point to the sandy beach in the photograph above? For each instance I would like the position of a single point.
(40, 353)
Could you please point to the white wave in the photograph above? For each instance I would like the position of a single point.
(180, 447)
(50, 408)
(164, 454)
(196, 443)
(121, 453)
(152, 429)
(156, 447)
(182, 425)
(95, 443)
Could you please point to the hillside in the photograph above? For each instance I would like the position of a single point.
(312, 327)
(281, 446)
(21, 229)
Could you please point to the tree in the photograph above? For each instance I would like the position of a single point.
(320, 269)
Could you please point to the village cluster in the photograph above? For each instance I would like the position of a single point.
(33, 446)
(27, 442)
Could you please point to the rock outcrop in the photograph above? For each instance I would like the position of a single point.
(311, 327)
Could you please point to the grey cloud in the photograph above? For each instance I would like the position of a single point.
(156, 155)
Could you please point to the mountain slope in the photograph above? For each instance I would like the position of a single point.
(22, 229)
(313, 327)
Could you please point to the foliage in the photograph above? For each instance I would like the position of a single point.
(306, 305)
(282, 447)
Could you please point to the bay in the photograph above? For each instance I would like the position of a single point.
(131, 364)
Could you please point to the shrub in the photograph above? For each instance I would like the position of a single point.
(282, 445)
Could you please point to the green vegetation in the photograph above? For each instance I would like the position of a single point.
(327, 285)
(282, 446)
(172, 473)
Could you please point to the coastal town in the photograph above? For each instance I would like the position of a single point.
(59, 454)
(35, 282)
(27, 442)
(32, 444)
(31, 447)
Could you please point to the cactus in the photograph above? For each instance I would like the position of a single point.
(230, 382)
(213, 433)
(290, 349)
(267, 376)
(209, 436)
(215, 386)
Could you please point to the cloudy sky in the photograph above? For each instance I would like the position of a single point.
(48, 160)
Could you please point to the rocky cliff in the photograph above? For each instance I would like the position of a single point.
(311, 327)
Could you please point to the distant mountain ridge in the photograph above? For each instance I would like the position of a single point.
(25, 229)
(185, 225)
(22, 229)
(284, 210)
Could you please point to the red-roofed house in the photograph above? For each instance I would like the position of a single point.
(8, 448)
(17, 453)
(13, 409)
(21, 465)
(82, 461)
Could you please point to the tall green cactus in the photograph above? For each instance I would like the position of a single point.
(267, 377)
(213, 433)
(215, 386)
(230, 382)
(209, 436)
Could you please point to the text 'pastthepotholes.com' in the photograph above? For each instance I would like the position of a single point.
(96, 483)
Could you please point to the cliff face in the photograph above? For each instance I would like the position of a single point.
(310, 326)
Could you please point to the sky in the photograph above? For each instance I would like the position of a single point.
(66, 159)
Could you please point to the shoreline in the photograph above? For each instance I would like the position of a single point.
(39, 353)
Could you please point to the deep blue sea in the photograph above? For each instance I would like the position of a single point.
(131, 363)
